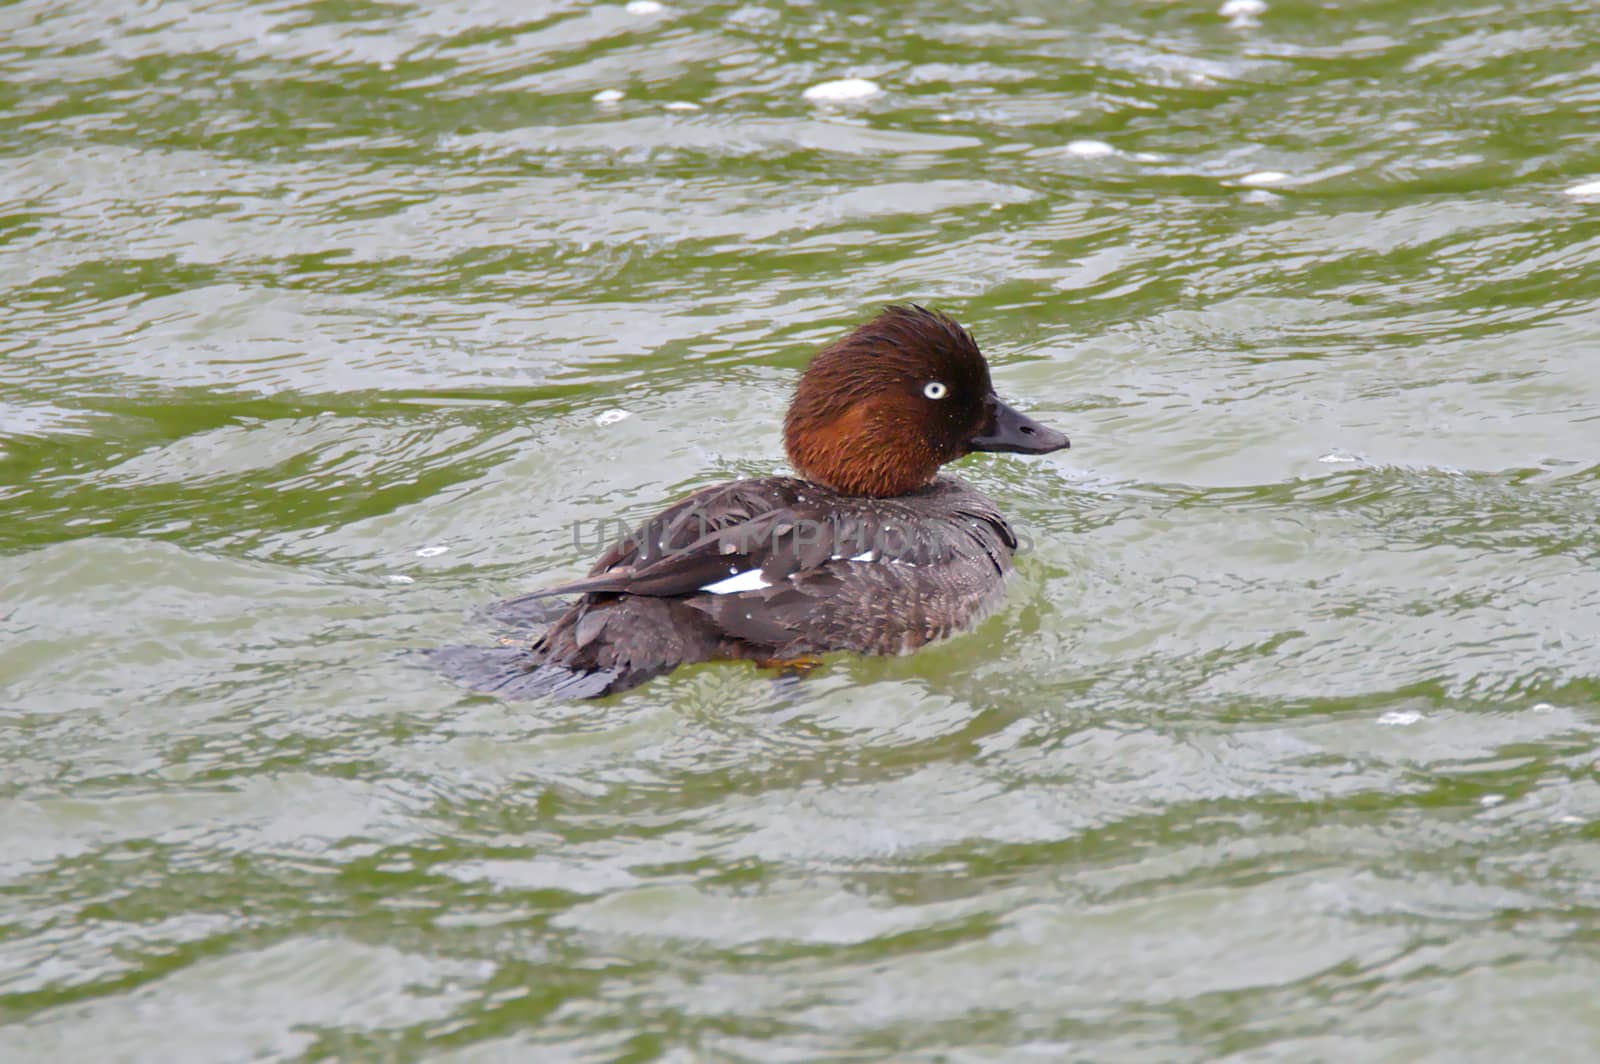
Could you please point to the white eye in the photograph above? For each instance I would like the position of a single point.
(935, 390)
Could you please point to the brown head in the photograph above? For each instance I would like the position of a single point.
(878, 412)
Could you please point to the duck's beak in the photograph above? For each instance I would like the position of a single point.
(1008, 430)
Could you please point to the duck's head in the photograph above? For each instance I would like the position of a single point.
(879, 411)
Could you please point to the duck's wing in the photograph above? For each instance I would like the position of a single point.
(751, 535)
(888, 600)
(781, 563)
(707, 537)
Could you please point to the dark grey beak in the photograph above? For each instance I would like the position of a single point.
(1008, 430)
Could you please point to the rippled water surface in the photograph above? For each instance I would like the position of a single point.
(317, 325)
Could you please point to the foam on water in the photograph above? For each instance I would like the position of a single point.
(842, 90)
(1090, 149)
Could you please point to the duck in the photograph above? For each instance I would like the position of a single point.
(868, 549)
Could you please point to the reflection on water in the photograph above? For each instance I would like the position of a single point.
(319, 320)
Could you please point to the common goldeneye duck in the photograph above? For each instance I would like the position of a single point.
(869, 550)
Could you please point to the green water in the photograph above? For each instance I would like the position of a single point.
(1284, 746)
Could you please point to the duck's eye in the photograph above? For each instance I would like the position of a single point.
(935, 390)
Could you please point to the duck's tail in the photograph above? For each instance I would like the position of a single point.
(599, 646)
(516, 673)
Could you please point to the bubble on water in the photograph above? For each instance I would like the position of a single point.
(1264, 177)
(607, 96)
(1543, 707)
(1338, 457)
(1242, 12)
(681, 105)
(1399, 718)
(1585, 190)
(1570, 819)
(431, 552)
(611, 417)
(1489, 801)
(843, 89)
(642, 7)
(1090, 149)
(399, 578)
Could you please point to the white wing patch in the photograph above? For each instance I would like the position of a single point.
(749, 580)
(871, 556)
(752, 580)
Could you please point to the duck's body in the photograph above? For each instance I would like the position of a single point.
(870, 551)
(773, 570)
